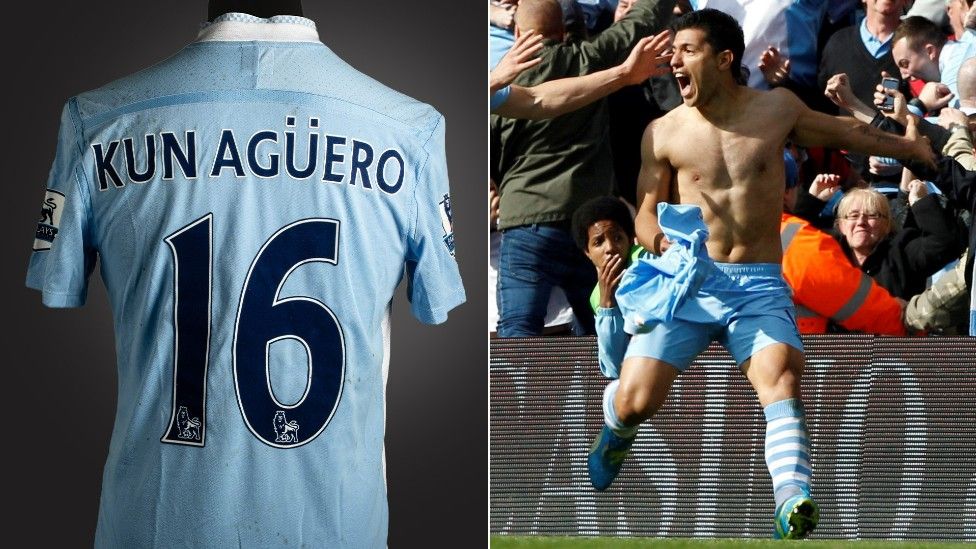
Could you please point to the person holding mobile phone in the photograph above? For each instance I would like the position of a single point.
(888, 83)
(922, 52)
(863, 51)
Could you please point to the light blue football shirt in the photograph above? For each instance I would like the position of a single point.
(254, 202)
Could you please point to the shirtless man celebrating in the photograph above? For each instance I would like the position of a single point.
(722, 152)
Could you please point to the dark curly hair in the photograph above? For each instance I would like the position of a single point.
(599, 209)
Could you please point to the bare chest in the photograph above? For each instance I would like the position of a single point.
(707, 158)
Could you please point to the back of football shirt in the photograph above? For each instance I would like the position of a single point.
(254, 202)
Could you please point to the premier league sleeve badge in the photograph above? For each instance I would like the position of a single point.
(447, 222)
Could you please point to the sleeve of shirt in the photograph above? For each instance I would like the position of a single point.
(433, 281)
(912, 108)
(950, 61)
(63, 255)
(611, 341)
(933, 308)
(959, 146)
(500, 97)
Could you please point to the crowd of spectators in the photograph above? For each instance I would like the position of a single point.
(870, 245)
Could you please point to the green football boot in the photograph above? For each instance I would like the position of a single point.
(606, 457)
(796, 518)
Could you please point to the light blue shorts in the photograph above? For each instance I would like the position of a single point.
(745, 307)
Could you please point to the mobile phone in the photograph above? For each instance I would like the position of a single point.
(889, 83)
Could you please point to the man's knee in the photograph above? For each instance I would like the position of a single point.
(635, 404)
(786, 382)
(775, 372)
(792, 370)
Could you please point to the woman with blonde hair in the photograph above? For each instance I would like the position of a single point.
(900, 260)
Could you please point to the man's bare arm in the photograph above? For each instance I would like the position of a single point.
(815, 129)
(653, 186)
(557, 97)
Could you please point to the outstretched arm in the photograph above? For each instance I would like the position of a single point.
(557, 97)
(653, 186)
(815, 129)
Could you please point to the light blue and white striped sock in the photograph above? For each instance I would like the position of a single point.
(787, 449)
(610, 415)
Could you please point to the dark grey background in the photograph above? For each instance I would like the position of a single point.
(59, 403)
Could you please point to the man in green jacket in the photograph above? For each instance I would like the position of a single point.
(548, 168)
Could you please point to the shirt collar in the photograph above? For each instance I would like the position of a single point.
(241, 27)
(876, 47)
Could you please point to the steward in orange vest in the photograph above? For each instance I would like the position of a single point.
(826, 287)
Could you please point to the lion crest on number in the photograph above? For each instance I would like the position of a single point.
(189, 427)
(285, 431)
(47, 211)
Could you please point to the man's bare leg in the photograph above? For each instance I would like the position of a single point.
(644, 385)
(639, 393)
(775, 373)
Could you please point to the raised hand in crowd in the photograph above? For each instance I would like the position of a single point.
(649, 57)
(502, 13)
(935, 96)
(623, 6)
(916, 190)
(949, 118)
(900, 111)
(838, 90)
(774, 65)
(523, 55)
(825, 186)
(883, 166)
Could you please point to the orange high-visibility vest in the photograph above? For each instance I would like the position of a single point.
(827, 287)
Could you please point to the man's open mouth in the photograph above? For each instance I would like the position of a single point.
(684, 84)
